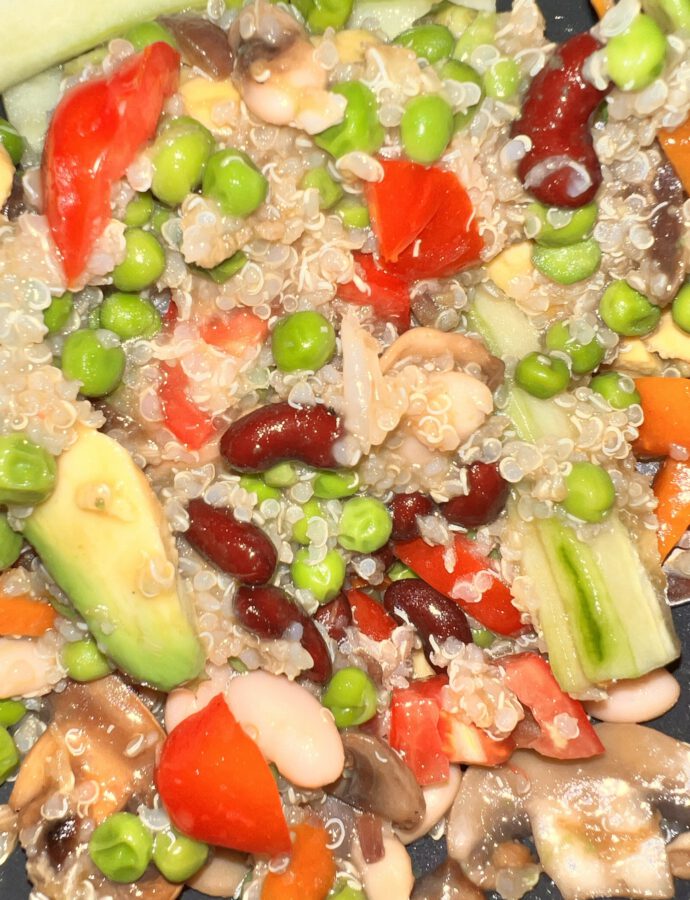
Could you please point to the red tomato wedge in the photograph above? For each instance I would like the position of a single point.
(465, 743)
(494, 610)
(389, 295)
(190, 425)
(369, 616)
(217, 787)
(530, 678)
(414, 733)
(236, 332)
(95, 133)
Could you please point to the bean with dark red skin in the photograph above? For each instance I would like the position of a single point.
(404, 509)
(486, 498)
(269, 612)
(556, 117)
(202, 44)
(335, 617)
(238, 548)
(279, 433)
(432, 614)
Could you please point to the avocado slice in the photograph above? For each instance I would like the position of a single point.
(98, 535)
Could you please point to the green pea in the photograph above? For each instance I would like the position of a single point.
(11, 712)
(502, 79)
(455, 70)
(303, 340)
(583, 357)
(12, 141)
(282, 475)
(84, 661)
(224, 271)
(345, 891)
(160, 216)
(178, 857)
(147, 33)
(93, 358)
(351, 697)
(399, 572)
(591, 493)
(483, 638)
(456, 18)
(360, 128)
(9, 756)
(254, 484)
(431, 42)
(567, 265)
(324, 579)
(578, 226)
(635, 58)
(27, 471)
(121, 848)
(139, 210)
(56, 315)
(232, 179)
(627, 311)
(352, 213)
(680, 310)
(311, 509)
(179, 158)
(10, 545)
(365, 525)
(335, 485)
(322, 14)
(130, 316)
(426, 128)
(618, 390)
(541, 375)
(480, 32)
(143, 264)
(330, 191)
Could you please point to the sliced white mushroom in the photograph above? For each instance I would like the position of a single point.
(29, 667)
(439, 799)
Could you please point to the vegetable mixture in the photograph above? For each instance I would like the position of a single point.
(344, 448)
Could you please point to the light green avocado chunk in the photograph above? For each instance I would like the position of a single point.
(101, 534)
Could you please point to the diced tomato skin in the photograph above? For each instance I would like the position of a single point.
(236, 332)
(190, 425)
(389, 295)
(414, 730)
(369, 616)
(466, 743)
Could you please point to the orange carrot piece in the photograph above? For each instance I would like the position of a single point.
(676, 146)
(601, 7)
(310, 872)
(672, 490)
(235, 332)
(24, 617)
(666, 405)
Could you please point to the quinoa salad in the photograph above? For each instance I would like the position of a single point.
(344, 449)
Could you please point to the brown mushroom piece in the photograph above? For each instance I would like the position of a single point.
(201, 43)
(376, 780)
(96, 757)
(595, 823)
(447, 882)
(665, 256)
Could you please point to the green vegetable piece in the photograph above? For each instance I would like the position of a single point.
(618, 390)
(351, 697)
(179, 158)
(256, 485)
(143, 264)
(591, 493)
(27, 471)
(303, 340)
(10, 545)
(335, 485)
(672, 15)
(12, 141)
(84, 661)
(399, 572)
(236, 663)
(628, 312)
(232, 179)
(502, 79)
(9, 755)
(56, 315)
(578, 224)
(430, 42)
(11, 712)
(567, 265)
(460, 71)
(456, 19)
(635, 58)
(322, 14)
(224, 271)
(178, 857)
(139, 210)
(311, 509)
(365, 525)
(330, 191)
(324, 579)
(160, 216)
(680, 310)
(483, 638)
(130, 316)
(541, 375)
(360, 128)
(480, 32)
(147, 33)
(282, 475)
(92, 358)
(426, 128)
(583, 357)
(353, 213)
(121, 848)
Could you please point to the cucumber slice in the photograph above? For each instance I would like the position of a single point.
(29, 106)
(393, 16)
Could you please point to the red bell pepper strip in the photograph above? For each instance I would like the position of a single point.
(389, 295)
(369, 616)
(530, 678)
(494, 610)
(414, 733)
(188, 423)
(95, 133)
(218, 788)
(463, 742)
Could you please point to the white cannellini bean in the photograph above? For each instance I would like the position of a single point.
(439, 799)
(222, 874)
(25, 669)
(184, 702)
(637, 699)
(390, 878)
(290, 726)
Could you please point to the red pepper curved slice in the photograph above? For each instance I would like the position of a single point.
(95, 133)
(369, 616)
(218, 788)
(389, 295)
(187, 422)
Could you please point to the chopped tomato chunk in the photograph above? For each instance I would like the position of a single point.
(389, 295)
(369, 616)
(188, 423)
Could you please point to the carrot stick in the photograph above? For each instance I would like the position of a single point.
(676, 146)
(24, 617)
(310, 872)
(601, 7)
(672, 490)
(666, 405)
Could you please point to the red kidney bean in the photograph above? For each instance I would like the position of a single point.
(487, 496)
(335, 617)
(432, 614)
(269, 612)
(404, 509)
(279, 432)
(238, 548)
(556, 118)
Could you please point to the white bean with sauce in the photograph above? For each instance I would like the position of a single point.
(637, 699)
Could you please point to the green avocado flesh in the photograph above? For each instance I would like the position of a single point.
(99, 535)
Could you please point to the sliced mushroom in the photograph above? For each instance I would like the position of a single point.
(201, 43)
(96, 757)
(438, 799)
(666, 224)
(448, 882)
(375, 780)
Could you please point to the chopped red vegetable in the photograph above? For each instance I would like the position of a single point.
(95, 133)
(369, 616)
(389, 295)
(235, 332)
(465, 743)
(187, 422)
(414, 732)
